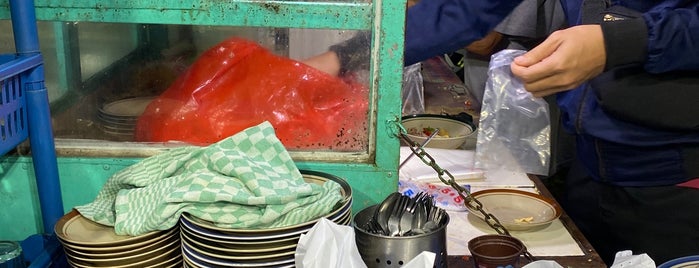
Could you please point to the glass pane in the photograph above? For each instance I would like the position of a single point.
(199, 84)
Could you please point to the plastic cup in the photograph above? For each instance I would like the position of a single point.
(496, 251)
(10, 255)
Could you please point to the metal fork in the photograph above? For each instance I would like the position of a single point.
(407, 219)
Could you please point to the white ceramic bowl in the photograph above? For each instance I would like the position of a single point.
(517, 210)
(458, 131)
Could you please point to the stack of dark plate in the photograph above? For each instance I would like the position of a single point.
(88, 244)
(206, 245)
(120, 117)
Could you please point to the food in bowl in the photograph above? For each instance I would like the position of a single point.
(427, 131)
(524, 219)
(452, 132)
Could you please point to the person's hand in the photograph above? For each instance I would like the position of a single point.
(327, 62)
(566, 59)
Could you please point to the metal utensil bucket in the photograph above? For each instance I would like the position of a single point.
(394, 251)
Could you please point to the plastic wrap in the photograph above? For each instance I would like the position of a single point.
(412, 92)
(514, 130)
(238, 84)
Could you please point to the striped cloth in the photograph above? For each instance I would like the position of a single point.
(246, 181)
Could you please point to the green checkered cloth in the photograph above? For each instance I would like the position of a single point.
(246, 181)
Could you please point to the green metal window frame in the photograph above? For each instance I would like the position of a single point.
(372, 174)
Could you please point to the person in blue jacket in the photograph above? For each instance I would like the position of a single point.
(624, 73)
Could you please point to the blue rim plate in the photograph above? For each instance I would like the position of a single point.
(232, 243)
(207, 261)
(683, 262)
(208, 245)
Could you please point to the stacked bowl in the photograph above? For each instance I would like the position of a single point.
(120, 117)
(88, 244)
(206, 245)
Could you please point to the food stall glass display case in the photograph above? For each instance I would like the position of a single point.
(98, 54)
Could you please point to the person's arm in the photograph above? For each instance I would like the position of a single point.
(433, 27)
(438, 27)
(327, 62)
(349, 55)
(673, 36)
(353, 54)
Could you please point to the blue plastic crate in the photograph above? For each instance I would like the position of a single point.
(13, 109)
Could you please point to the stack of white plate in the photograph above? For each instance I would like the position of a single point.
(206, 245)
(88, 244)
(120, 117)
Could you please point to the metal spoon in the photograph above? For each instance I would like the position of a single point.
(396, 214)
(383, 211)
(408, 217)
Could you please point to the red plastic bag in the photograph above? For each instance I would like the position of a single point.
(238, 84)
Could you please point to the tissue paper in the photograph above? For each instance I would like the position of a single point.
(626, 259)
(423, 260)
(328, 245)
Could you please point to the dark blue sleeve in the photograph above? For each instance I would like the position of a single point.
(673, 36)
(434, 27)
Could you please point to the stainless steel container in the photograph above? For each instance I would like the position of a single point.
(394, 251)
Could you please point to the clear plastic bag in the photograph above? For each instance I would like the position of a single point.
(514, 130)
(412, 93)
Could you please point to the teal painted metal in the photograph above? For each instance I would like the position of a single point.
(285, 14)
(371, 180)
(80, 179)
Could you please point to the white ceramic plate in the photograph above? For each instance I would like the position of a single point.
(131, 107)
(206, 244)
(122, 260)
(116, 250)
(256, 257)
(235, 243)
(163, 256)
(169, 263)
(78, 230)
(119, 129)
(684, 262)
(199, 260)
(188, 224)
(154, 244)
(345, 220)
(517, 210)
(188, 263)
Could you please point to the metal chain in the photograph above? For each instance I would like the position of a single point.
(464, 193)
